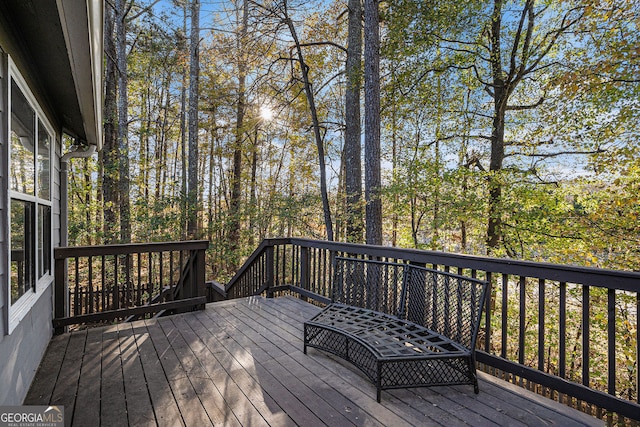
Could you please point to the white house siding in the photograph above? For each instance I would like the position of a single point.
(22, 350)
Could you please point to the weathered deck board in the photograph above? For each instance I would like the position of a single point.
(139, 408)
(240, 363)
(241, 391)
(162, 398)
(191, 408)
(244, 367)
(199, 371)
(64, 392)
(113, 405)
(267, 370)
(50, 369)
(88, 387)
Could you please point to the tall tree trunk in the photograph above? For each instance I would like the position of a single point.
(372, 123)
(194, 74)
(236, 177)
(253, 201)
(463, 163)
(494, 232)
(524, 57)
(316, 127)
(212, 159)
(145, 144)
(352, 134)
(161, 164)
(123, 122)
(184, 208)
(437, 179)
(110, 147)
(98, 212)
(394, 155)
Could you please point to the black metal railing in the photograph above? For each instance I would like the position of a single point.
(104, 283)
(570, 333)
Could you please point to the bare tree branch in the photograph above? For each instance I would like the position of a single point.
(557, 154)
(324, 43)
(525, 107)
(142, 11)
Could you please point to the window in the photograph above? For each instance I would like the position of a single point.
(22, 259)
(30, 147)
(23, 140)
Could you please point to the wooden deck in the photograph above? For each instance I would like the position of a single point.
(240, 363)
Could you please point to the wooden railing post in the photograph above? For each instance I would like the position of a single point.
(61, 293)
(304, 267)
(199, 287)
(270, 271)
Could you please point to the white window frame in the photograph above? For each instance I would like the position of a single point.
(18, 310)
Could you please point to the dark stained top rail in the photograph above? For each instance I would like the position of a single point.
(589, 276)
(128, 248)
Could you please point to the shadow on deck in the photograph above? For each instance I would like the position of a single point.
(240, 362)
